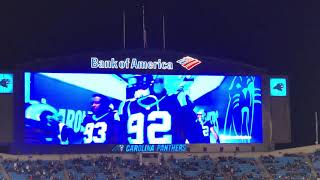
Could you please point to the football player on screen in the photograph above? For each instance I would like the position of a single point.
(209, 125)
(41, 123)
(100, 127)
(153, 116)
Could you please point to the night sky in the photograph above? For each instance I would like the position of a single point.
(280, 36)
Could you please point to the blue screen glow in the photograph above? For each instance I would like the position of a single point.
(75, 108)
(6, 83)
(278, 87)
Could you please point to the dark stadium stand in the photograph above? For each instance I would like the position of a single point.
(290, 165)
(17, 169)
(315, 160)
(286, 164)
(100, 168)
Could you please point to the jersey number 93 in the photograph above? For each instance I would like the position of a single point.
(100, 138)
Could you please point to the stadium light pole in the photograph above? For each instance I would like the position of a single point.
(163, 33)
(316, 118)
(144, 31)
(124, 28)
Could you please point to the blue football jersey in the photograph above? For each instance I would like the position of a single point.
(206, 126)
(153, 120)
(103, 129)
(41, 133)
(206, 131)
(95, 130)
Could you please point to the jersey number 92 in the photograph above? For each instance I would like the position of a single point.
(136, 123)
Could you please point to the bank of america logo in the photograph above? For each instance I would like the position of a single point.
(189, 62)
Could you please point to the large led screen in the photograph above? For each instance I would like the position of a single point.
(75, 108)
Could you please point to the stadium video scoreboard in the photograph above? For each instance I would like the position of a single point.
(159, 110)
(146, 110)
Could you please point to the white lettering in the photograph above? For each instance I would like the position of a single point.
(114, 63)
(94, 62)
(73, 118)
(127, 63)
(62, 112)
(133, 64)
(77, 121)
(122, 64)
(70, 117)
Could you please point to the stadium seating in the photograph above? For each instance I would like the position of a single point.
(192, 166)
(315, 160)
(289, 165)
(100, 169)
(43, 169)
